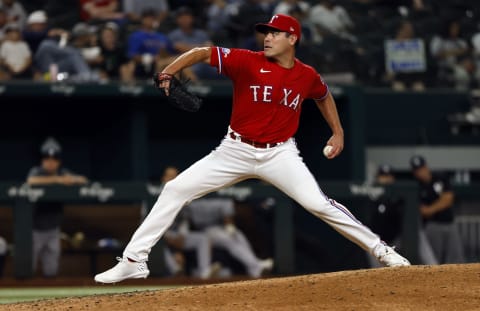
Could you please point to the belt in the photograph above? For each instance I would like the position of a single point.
(253, 143)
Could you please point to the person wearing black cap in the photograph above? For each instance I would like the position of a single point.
(388, 213)
(47, 216)
(387, 218)
(437, 211)
(269, 89)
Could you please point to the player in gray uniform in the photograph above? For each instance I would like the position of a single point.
(47, 216)
(214, 216)
(179, 237)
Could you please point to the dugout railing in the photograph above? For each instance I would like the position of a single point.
(20, 197)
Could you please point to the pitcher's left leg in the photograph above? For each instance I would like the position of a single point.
(287, 171)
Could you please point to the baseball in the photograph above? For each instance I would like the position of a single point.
(327, 150)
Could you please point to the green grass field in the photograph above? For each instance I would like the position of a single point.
(12, 295)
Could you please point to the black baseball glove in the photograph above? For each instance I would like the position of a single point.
(177, 93)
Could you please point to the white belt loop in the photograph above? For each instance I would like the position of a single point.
(238, 137)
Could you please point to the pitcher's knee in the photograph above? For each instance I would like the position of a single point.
(318, 204)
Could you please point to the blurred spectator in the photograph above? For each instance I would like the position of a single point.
(475, 41)
(84, 38)
(134, 8)
(329, 18)
(3, 23)
(149, 50)
(241, 22)
(36, 29)
(15, 12)
(465, 74)
(215, 217)
(218, 14)
(47, 216)
(186, 36)
(437, 211)
(446, 49)
(58, 58)
(3, 254)
(15, 55)
(406, 62)
(285, 6)
(114, 64)
(302, 16)
(98, 11)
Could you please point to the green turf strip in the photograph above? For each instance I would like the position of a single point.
(12, 295)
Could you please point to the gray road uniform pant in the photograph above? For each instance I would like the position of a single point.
(231, 162)
(237, 245)
(446, 242)
(46, 249)
(198, 242)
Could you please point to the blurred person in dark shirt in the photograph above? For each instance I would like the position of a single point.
(114, 63)
(437, 210)
(47, 216)
(387, 218)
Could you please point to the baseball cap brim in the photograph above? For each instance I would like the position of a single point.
(264, 28)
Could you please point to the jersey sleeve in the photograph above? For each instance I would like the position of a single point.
(319, 89)
(228, 61)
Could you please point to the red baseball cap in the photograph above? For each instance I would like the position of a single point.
(281, 22)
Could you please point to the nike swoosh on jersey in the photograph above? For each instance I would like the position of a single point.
(264, 71)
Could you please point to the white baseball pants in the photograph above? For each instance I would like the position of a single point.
(233, 161)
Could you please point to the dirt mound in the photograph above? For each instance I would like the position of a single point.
(444, 287)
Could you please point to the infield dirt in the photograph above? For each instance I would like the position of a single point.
(416, 288)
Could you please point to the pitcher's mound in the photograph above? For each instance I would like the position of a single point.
(444, 287)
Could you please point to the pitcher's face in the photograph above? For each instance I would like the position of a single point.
(277, 43)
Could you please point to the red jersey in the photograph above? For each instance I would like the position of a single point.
(267, 98)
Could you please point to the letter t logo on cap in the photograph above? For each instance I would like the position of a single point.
(273, 18)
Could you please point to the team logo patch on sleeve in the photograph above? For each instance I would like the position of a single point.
(225, 51)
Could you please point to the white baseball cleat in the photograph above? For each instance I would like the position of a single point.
(124, 269)
(212, 271)
(262, 266)
(389, 257)
(267, 264)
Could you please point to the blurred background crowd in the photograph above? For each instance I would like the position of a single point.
(403, 44)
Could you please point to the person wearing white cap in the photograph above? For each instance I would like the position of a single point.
(36, 29)
(37, 17)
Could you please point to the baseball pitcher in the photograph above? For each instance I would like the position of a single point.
(269, 88)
